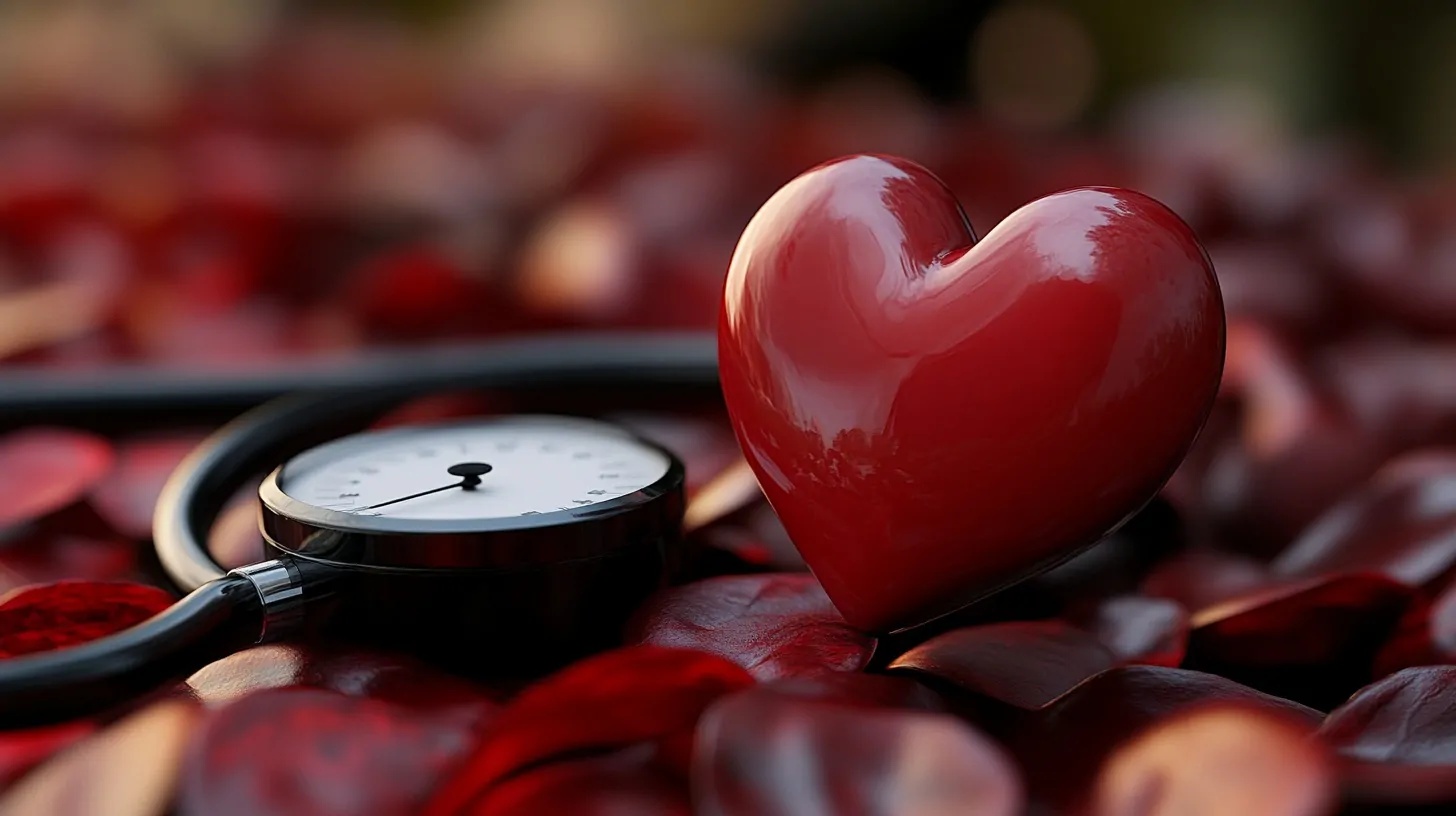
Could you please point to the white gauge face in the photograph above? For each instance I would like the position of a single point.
(489, 470)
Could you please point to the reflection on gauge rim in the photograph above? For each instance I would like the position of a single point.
(650, 516)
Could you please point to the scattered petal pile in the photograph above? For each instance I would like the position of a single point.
(1274, 635)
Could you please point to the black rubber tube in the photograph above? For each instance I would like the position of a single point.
(120, 395)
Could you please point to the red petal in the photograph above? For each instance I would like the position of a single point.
(67, 613)
(1061, 746)
(1198, 578)
(311, 751)
(442, 407)
(1025, 663)
(1401, 523)
(129, 769)
(127, 499)
(1114, 566)
(617, 785)
(1312, 641)
(607, 701)
(1296, 454)
(1397, 739)
(846, 689)
(379, 676)
(1139, 629)
(45, 469)
(46, 553)
(774, 625)
(759, 753)
(1408, 717)
(234, 539)
(862, 690)
(414, 292)
(1410, 644)
(22, 750)
(1220, 759)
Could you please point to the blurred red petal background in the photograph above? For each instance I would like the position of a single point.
(612, 700)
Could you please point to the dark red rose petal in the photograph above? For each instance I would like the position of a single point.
(1201, 577)
(1139, 629)
(1219, 759)
(1061, 747)
(608, 701)
(1401, 523)
(22, 750)
(45, 469)
(381, 676)
(67, 613)
(616, 785)
(127, 498)
(234, 540)
(1271, 282)
(312, 751)
(1398, 389)
(414, 292)
(759, 753)
(129, 769)
(752, 534)
(773, 625)
(1397, 739)
(1024, 663)
(861, 690)
(1117, 565)
(1296, 452)
(845, 689)
(1381, 787)
(1408, 717)
(441, 408)
(1313, 641)
(45, 553)
(1410, 644)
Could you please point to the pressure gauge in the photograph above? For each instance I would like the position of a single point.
(494, 493)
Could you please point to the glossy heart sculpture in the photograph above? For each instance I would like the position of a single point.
(933, 416)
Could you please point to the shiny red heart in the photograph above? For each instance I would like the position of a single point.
(935, 417)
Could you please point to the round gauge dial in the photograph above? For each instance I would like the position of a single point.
(491, 471)
(383, 494)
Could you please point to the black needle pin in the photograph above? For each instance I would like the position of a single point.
(469, 473)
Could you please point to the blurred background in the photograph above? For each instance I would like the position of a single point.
(226, 182)
(226, 185)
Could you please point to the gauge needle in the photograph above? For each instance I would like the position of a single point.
(470, 473)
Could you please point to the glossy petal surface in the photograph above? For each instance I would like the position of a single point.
(45, 469)
(762, 754)
(597, 705)
(1026, 664)
(1219, 759)
(774, 625)
(1402, 522)
(1061, 747)
(129, 769)
(313, 751)
(66, 613)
